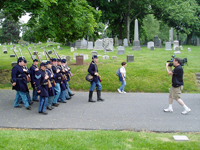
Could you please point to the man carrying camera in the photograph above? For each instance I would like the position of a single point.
(177, 85)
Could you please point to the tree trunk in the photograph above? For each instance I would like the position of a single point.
(128, 22)
(189, 37)
(120, 28)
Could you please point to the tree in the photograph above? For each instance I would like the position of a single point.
(29, 36)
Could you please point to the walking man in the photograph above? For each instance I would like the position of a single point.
(177, 86)
(93, 70)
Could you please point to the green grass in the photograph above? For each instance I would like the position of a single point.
(146, 74)
(98, 140)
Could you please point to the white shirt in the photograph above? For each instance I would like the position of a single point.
(123, 71)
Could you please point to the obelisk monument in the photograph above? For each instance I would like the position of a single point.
(136, 42)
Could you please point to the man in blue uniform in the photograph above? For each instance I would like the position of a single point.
(57, 80)
(93, 70)
(42, 87)
(33, 70)
(19, 83)
(51, 89)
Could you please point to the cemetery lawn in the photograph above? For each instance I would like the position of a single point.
(81, 140)
(146, 74)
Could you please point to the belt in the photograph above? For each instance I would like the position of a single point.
(59, 78)
(45, 83)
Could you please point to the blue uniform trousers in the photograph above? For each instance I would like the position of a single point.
(43, 103)
(97, 85)
(69, 91)
(50, 100)
(35, 96)
(28, 97)
(62, 95)
(58, 91)
(24, 99)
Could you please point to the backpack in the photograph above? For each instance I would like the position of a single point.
(118, 72)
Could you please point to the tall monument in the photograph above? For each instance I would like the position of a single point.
(136, 42)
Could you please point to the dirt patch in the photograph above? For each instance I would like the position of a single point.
(5, 76)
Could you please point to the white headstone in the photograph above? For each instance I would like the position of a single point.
(105, 57)
(68, 58)
(98, 45)
(72, 49)
(125, 43)
(58, 47)
(63, 57)
(90, 45)
(181, 47)
(116, 41)
(189, 49)
(78, 44)
(168, 46)
(108, 44)
(180, 138)
(75, 49)
(176, 44)
(150, 44)
(93, 53)
(120, 50)
(74, 56)
(83, 44)
(85, 57)
(114, 57)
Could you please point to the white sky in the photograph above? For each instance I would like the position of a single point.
(24, 19)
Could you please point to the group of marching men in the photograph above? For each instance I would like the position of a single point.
(50, 82)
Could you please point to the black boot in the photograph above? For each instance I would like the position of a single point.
(90, 97)
(99, 96)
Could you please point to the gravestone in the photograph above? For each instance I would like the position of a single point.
(114, 57)
(189, 49)
(150, 44)
(75, 49)
(136, 42)
(108, 44)
(120, 41)
(5, 52)
(68, 58)
(72, 44)
(196, 42)
(60, 48)
(98, 45)
(13, 64)
(85, 57)
(79, 60)
(130, 58)
(12, 55)
(177, 50)
(93, 53)
(156, 42)
(180, 138)
(181, 47)
(74, 56)
(152, 48)
(90, 45)
(105, 57)
(83, 44)
(176, 44)
(168, 46)
(78, 44)
(33, 57)
(40, 57)
(63, 57)
(125, 42)
(116, 41)
(34, 52)
(171, 39)
(49, 52)
(120, 50)
(72, 49)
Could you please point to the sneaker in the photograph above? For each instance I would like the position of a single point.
(168, 110)
(186, 111)
(124, 92)
(119, 91)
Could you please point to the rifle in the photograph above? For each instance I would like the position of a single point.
(20, 52)
(30, 53)
(45, 53)
(15, 54)
(38, 57)
(56, 54)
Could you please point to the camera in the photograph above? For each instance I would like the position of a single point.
(183, 61)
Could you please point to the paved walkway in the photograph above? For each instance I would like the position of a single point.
(131, 111)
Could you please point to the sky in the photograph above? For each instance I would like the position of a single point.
(24, 19)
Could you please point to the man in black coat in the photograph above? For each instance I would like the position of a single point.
(93, 70)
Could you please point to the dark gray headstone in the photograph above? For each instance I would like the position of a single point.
(60, 48)
(12, 55)
(72, 44)
(49, 52)
(130, 58)
(13, 64)
(152, 48)
(34, 53)
(68, 58)
(120, 42)
(5, 52)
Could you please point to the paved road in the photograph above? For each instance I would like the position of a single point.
(131, 111)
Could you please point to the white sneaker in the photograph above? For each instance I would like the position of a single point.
(186, 111)
(124, 92)
(119, 91)
(168, 110)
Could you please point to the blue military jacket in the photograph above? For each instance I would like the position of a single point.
(58, 76)
(41, 83)
(51, 90)
(32, 73)
(92, 69)
(63, 82)
(19, 77)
